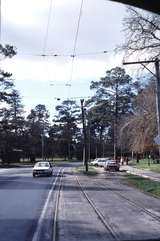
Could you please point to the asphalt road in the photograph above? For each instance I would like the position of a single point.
(22, 200)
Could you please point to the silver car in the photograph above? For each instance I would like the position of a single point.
(42, 168)
(112, 165)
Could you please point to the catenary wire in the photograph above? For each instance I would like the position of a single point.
(47, 27)
(63, 55)
(75, 45)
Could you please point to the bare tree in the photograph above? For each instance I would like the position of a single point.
(138, 130)
(142, 33)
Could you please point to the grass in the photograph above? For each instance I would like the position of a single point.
(146, 185)
(148, 164)
(91, 171)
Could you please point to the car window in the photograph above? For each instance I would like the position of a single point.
(42, 164)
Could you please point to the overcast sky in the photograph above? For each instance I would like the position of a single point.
(41, 79)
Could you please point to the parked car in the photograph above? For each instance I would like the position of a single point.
(42, 168)
(111, 165)
(99, 162)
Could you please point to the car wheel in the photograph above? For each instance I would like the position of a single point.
(34, 174)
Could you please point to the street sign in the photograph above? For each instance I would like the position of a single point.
(157, 140)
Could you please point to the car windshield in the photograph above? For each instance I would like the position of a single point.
(42, 164)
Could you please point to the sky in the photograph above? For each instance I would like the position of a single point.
(49, 27)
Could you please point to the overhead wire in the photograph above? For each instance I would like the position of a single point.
(46, 36)
(75, 45)
(64, 55)
(47, 27)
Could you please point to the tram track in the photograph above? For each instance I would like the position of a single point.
(55, 224)
(107, 226)
(99, 214)
(104, 220)
(131, 202)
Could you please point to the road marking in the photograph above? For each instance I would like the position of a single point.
(56, 210)
(36, 235)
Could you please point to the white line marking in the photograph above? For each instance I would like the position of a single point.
(40, 221)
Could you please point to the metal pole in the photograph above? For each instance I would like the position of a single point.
(42, 135)
(89, 140)
(84, 137)
(0, 20)
(115, 123)
(158, 96)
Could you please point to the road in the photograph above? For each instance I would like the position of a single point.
(22, 199)
(74, 207)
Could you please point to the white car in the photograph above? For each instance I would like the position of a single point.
(42, 168)
(99, 162)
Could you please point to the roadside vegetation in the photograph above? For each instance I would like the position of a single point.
(147, 164)
(146, 185)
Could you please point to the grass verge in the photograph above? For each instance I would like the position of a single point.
(148, 164)
(146, 185)
(91, 171)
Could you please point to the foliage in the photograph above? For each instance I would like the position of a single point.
(37, 128)
(113, 99)
(139, 129)
(67, 131)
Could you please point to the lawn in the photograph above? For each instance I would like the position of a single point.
(148, 164)
(146, 185)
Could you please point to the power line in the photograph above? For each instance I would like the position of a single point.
(47, 28)
(64, 55)
(78, 25)
(75, 98)
(75, 42)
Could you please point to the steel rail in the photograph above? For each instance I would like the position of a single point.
(135, 204)
(99, 214)
(55, 224)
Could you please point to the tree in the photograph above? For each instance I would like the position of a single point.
(6, 83)
(7, 51)
(114, 94)
(142, 32)
(37, 128)
(15, 113)
(139, 129)
(6, 91)
(67, 118)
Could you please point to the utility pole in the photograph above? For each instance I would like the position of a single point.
(84, 137)
(42, 142)
(158, 95)
(89, 139)
(0, 21)
(157, 75)
(116, 122)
